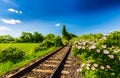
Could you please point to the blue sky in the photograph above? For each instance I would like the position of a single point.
(48, 16)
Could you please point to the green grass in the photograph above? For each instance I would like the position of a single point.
(24, 46)
(29, 55)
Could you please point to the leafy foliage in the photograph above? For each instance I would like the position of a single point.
(6, 39)
(37, 37)
(66, 36)
(91, 36)
(26, 37)
(50, 41)
(11, 54)
(112, 39)
(64, 33)
(99, 55)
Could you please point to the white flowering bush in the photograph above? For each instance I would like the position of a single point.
(98, 60)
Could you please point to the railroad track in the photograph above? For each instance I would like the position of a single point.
(54, 65)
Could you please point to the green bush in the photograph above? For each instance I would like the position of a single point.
(57, 41)
(11, 54)
(44, 45)
(113, 39)
(47, 43)
(39, 48)
(99, 58)
(5, 41)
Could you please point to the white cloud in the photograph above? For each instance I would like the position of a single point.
(6, 1)
(14, 11)
(20, 12)
(18, 34)
(4, 28)
(10, 21)
(57, 24)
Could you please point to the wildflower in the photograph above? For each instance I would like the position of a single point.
(102, 67)
(111, 56)
(108, 66)
(98, 51)
(93, 47)
(82, 65)
(79, 70)
(83, 43)
(88, 65)
(93, 68)
(105, 51)
(104, 46)
(95, 65)
(87, 68)
(79, 47)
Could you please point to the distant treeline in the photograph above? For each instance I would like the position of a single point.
(36, 37)
(27, 37)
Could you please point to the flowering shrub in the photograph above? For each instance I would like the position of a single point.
(98, 60)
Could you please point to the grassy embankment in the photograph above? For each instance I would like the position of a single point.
(29, 55)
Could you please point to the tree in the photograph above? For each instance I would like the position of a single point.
(64, 33)
(71, 35)
(49, 36)
(37, 37)
(1, 39)
(6, 38)
(26, 37)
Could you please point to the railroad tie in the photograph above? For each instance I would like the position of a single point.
(49, 71)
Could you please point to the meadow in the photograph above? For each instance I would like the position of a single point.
(28, 48)
(24, 46)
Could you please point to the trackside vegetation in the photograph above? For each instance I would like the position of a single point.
(99, 55)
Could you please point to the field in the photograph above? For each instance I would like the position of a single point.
(24, 46)
(29, 55)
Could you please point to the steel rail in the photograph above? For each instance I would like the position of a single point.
(59, 68)
(32, 66)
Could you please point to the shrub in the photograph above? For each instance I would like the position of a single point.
(47, 43)
(39, 48)
(57, 41)
(44, 45)
(101, 58)
(11, 54)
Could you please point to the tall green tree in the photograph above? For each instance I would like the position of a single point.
(64, 33)
(26, 37)
(37, 37)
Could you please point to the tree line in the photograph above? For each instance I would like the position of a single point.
(25, 37)
(35, 37)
